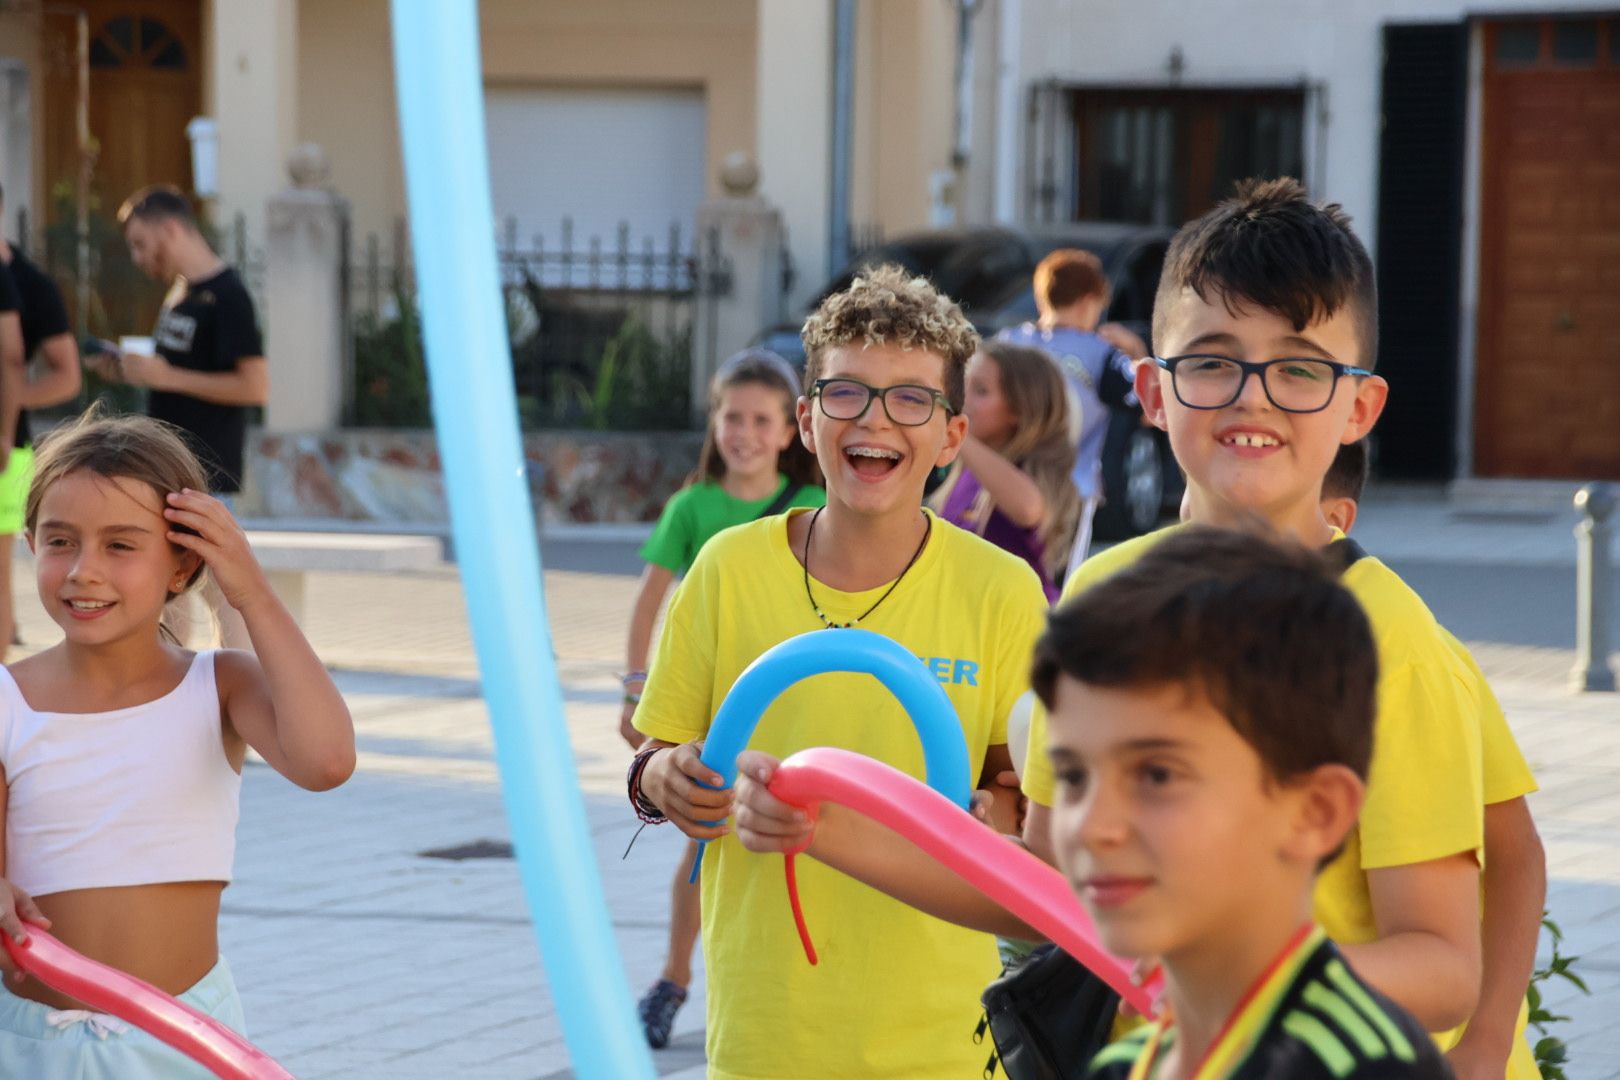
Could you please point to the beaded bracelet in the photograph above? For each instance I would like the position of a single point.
(645, 810)
(632, 676)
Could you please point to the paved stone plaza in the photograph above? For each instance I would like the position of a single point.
(359, 957)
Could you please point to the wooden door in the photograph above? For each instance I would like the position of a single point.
(1548, 354)
(145, 86)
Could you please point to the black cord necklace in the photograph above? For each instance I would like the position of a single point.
(928, 527)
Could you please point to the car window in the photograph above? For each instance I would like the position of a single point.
(979, 276)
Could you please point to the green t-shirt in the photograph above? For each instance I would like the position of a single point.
(694, 514)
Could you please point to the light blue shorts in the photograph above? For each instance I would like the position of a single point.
(38, 1041)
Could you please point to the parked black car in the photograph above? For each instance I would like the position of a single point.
(988, 271)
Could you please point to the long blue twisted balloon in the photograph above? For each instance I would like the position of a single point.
(441, 113)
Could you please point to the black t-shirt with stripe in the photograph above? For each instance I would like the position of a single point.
(1326, 1025)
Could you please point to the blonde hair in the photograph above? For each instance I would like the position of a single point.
(117, 447)
(886, 306)
(1037, 396)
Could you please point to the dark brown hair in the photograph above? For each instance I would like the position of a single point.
(156, 202)
(1272, 247)
(1347, 477)
(1068, 275)
(1262, 628)
(887, 306)
(757, 367)
(128, 447)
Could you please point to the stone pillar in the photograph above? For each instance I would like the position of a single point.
(748, 234)
(304, 298)
(251, 89)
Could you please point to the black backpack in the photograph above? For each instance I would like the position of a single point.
(1048, 1016)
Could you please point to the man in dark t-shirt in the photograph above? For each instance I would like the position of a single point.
(209, 367)
(47, 336)
(11, 364)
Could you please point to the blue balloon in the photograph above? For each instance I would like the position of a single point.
(441, 116)
(817, 652)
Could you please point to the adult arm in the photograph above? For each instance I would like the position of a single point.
(248, 383)
(1515, 895)
(13, 374)
(1009, 487)
(60, 378)
(1427, 953)
(655, 583)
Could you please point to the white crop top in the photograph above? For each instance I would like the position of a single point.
(135, 796)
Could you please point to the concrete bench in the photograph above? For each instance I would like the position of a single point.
(289, 557)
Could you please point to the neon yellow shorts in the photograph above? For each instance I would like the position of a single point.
(14, 489)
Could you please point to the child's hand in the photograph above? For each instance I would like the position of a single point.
(687, 791)
(221, 543)
(15, 906)
(764, 822)
(627, 728)
(983, 804)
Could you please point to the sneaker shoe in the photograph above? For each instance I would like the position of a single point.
(657, 1010)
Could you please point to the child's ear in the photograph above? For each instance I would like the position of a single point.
(1371, 395)
(186, 567)
(30, 535)
(1150, 391)
(1330, 799)
(956, 429)
(805, 415)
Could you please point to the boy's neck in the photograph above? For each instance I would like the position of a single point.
(1206, 984)
(855, 552)
(1303, 523)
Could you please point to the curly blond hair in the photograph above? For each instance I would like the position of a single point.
(887, 306)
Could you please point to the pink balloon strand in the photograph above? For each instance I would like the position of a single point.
(106, 989)
(1005, 872)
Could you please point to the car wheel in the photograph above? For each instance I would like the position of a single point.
(1129, 449)
(1144, 481)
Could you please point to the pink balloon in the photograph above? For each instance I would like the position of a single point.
(106, 989)
(1005, 872)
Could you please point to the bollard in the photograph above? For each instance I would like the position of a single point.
(1594, 502)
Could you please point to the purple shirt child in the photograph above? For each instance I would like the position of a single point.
(999, 530)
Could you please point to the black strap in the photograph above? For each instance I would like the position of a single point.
(782, 501)
(1343, 553)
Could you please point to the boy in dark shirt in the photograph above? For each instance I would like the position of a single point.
(209, 366)
(1207, 767)
(47, 334)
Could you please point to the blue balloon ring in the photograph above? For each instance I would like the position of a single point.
(818, 652)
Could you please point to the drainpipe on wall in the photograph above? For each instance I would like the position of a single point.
(843, 107)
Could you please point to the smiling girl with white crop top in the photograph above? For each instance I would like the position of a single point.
(121, 752)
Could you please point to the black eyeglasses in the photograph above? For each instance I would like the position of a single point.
(905, 404)
(1292, 384)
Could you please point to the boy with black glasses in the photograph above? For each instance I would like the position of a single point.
(896, 992)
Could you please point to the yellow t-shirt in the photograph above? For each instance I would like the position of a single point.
(1507, 774)
(1441, 749)
(896, 993)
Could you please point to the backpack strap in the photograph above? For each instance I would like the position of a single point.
(783, 500)
(1343, 553)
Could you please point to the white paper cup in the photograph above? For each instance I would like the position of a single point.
(144, 345)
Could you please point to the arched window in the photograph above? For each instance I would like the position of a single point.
(136, 42)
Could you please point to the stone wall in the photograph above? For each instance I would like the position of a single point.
(383, 476)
